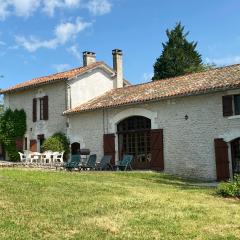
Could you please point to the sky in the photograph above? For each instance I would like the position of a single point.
(41, 37)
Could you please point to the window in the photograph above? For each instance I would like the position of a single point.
(42, 105)
(231, 105)
(41, 108)
(237, 104)
(134, 139)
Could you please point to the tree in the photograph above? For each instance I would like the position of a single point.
(179, 56)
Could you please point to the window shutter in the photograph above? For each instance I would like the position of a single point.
(45, 108)
(109, 146)
(19, 144)
(34, 112)
(156, 144)
(222, 163)
(227, 105)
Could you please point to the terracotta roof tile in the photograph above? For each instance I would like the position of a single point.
(191, 84)
(51, 78)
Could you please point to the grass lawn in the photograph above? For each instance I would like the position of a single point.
(90, 205)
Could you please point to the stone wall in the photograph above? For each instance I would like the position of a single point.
(188, 142)
(57, 105)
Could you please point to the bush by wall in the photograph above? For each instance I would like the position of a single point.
(231, 188)
(57, 143)
(13, 125)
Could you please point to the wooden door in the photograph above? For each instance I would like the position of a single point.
(222, 161)
(33, 145)
(156, 145)
(109, 146)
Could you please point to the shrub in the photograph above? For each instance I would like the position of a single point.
(12, 126)
(58, 142)
(231, 188)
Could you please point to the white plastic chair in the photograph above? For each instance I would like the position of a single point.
(35, 157)
(23, 157)
(47, 157)
(58, 159)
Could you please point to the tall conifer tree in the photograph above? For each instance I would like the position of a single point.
(179, 56)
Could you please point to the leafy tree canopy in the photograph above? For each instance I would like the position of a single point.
(179, 56)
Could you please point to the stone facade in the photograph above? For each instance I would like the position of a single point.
(61, 96)
(190, 125)
(57, 104)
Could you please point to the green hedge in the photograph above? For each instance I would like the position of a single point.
(12, 126)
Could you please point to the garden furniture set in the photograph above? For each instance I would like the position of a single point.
(46, 158)
(77, 163)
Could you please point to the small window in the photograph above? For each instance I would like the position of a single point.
(41, 108)
(237, 104)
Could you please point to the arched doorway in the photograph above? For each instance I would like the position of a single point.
(75, 148)
(235, 150)
(134, 138)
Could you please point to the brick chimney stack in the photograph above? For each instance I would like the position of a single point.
(118, 67)
(88, 58)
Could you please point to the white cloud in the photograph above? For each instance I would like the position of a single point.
(224, 61)
(32, 43)
(26, 8)
(49, 6)
(61, 67)
(21, 8)
(4, 12)
(64, 32)
(147, 77)
(75, 52)
(99, 7)
(96, 7)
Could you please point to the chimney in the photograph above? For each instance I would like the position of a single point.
(118, 67)
(88, 58)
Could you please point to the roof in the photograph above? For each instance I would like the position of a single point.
(192, 84)
(55, 77)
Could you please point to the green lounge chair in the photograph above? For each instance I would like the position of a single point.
(105, 163)
(73, 163)
(91, 162)
(125, 163)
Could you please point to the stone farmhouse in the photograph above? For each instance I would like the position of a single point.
(188, 125)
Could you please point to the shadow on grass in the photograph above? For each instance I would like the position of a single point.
(169, 180)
